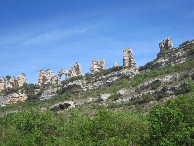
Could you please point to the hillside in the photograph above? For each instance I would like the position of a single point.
(122, 105)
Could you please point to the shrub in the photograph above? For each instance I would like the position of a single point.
(147, 66)
(172, 123)
(29, 128)
(143, 99)
(155, 85)
(8, 77)
(114, 97)
(162, 53)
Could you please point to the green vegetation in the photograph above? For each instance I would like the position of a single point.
(64, 82)
(96, 123)
(162, 53)
(139, 78)
(172, 123)
(168, 124)
(147, 66)
(90, 76)
(8, 77)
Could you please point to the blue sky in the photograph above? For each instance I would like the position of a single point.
(55, 34)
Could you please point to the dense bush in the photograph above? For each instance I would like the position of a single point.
(28, 128)
(168, 124)
(147, 66)
(106, 128)
(172, 123)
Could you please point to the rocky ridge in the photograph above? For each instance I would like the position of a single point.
(155, 87)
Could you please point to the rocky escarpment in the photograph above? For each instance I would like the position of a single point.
(99, 77)
(14, 82)
(93, 82)
(170, 56)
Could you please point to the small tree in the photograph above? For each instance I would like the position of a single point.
(8, 77)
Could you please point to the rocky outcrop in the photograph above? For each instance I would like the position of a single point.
(12, 82)
(73, 71)
(174, 55)
(12, 98)
(104, 97)
(101, 81)
(116, 64)
(46, 77)
(97, 66)
(63, 106)
(128, 60)
(2, 84)
(48, 94)
(166, 44)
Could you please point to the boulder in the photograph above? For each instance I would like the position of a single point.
(104, 97)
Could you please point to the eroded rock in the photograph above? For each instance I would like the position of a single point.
(166, 44)
(73, 71)
(12, 82)
(97, 66)
(46, 77)
(128, 58)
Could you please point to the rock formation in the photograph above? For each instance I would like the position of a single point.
(128, 58)
(97, 65)
(166, 44)
(73, 71)
(116, 64)
(12, 82)
(46, 77)
(2, 84)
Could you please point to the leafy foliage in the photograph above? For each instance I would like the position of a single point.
(172, 123)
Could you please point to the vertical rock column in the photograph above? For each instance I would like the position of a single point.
(166, 44)
(128, 58)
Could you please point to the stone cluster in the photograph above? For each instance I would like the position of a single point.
(116, 64)
(97, 65)
(166, 44)
(46, 77)
(73, 71)
(128, 58)
(12, 82)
